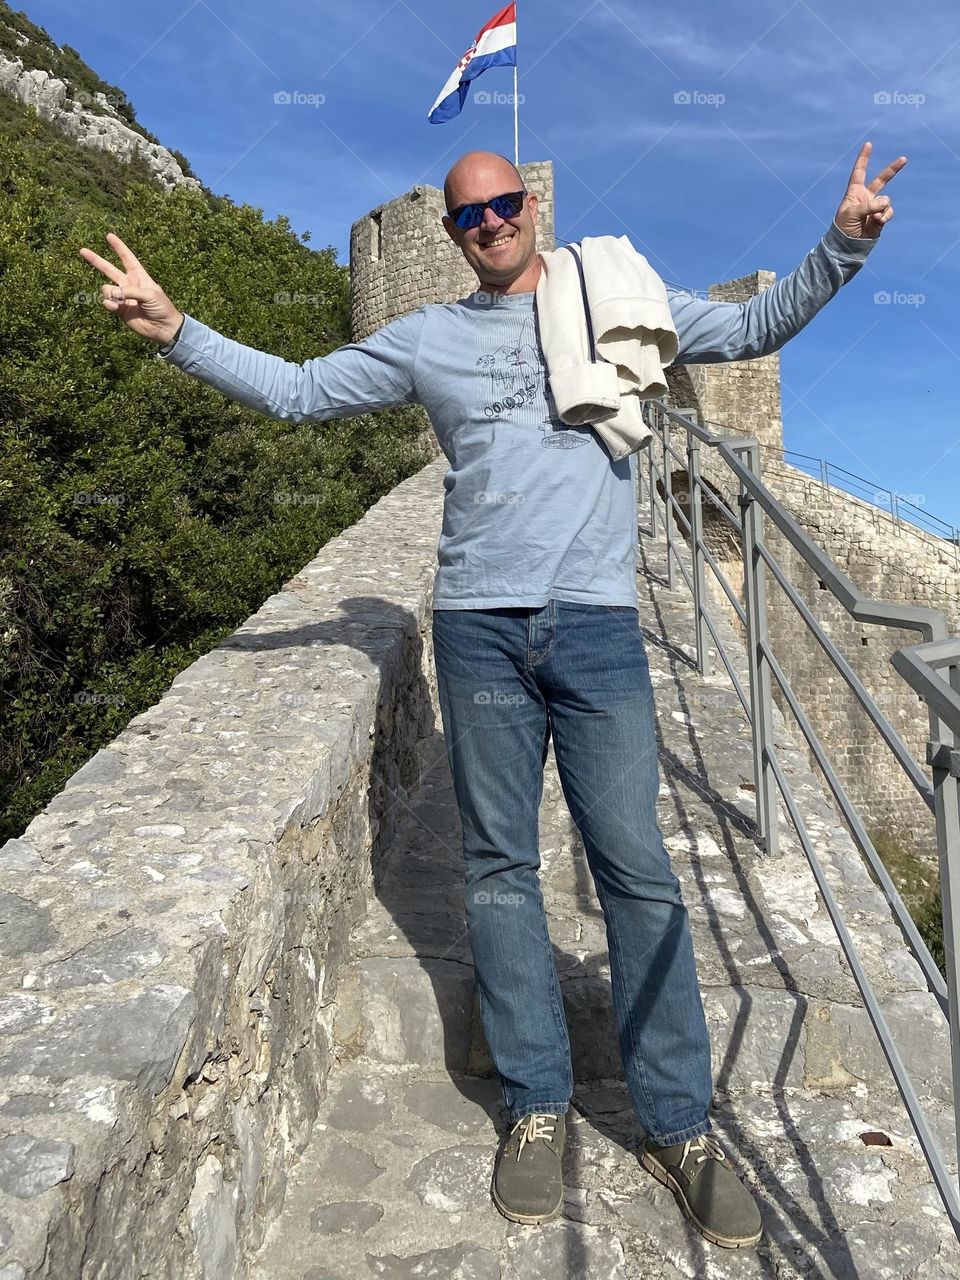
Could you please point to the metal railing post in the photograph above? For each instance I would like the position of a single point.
(651, 481)
(944, 758)
(696, 550)
(638, 482)
(761, 694)
(669, 524)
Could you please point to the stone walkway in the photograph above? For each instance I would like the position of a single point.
(395, 1182)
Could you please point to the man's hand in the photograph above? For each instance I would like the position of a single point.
(862, 213)
(133, 295)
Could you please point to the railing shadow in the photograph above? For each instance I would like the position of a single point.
(826, 1233)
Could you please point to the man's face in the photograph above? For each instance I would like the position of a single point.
(500, 249)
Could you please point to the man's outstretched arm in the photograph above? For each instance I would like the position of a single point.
(711, 332)
(356, 378)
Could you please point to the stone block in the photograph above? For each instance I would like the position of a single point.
(416, 1011)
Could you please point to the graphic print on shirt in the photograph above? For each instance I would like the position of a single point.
(514, 375)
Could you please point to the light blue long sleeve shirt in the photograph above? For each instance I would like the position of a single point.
(533, 509)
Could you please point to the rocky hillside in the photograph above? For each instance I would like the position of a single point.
(55, 81)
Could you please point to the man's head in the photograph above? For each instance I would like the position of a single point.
(479, 176)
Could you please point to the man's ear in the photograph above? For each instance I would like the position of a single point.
(449, 226)
(533, 200)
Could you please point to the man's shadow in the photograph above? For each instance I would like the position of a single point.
(417, 879)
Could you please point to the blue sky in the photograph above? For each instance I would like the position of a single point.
(746, 174)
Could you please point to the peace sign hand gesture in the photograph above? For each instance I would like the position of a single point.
(133, 295)
(862, 213)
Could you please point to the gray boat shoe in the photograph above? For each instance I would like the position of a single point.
(710, 1193)
(527, 1180)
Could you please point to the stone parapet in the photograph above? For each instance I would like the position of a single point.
(173, 922)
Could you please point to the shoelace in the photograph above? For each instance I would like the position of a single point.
(535, 1126)
(709, 1147)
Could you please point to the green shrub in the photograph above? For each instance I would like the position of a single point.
(142, 515)
(929, 920)
(917, 882)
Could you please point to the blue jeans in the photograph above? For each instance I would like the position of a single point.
(508, 678)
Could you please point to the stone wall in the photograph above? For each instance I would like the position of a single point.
(173, 922)
(401, 257)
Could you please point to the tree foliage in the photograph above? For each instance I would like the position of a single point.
(143, 515)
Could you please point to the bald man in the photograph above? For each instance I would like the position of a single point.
(536, 633)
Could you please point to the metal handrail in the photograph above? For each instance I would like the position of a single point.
(824, 469)
(920, 666)
(934, 977)
(895, 506)
(883, 726)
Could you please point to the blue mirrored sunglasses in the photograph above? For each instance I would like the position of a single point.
(467, 216)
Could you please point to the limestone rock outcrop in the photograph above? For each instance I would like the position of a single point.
(72, 111)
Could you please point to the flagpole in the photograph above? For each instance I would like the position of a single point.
(516, 104)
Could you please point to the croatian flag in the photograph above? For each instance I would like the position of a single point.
(495, 46)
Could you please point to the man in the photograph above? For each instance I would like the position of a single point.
(536, 633)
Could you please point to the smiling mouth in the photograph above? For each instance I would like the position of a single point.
(498, 243)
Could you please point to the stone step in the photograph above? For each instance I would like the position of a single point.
(421, 1013)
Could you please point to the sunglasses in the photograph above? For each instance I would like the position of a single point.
(467, 216)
